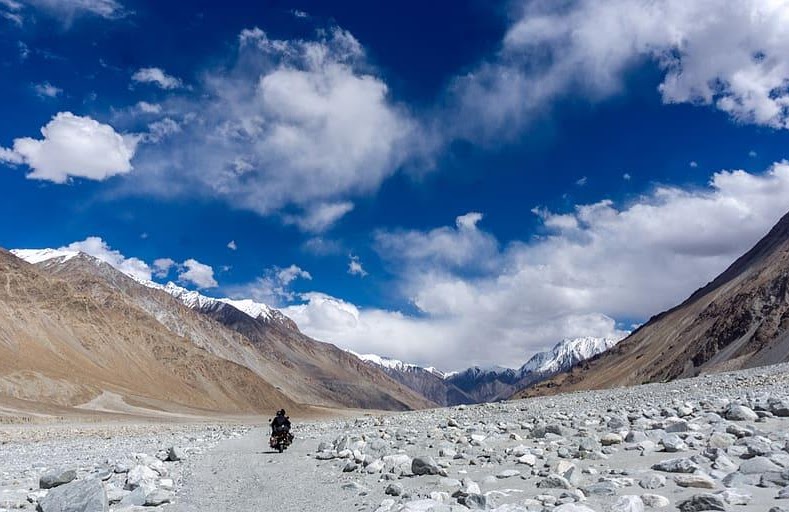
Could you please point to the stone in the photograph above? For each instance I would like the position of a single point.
(653, 481)
(610, 439)
(508, 473)
(56, 478)
(394, 489)
(554, 481)
(138, 475)
(424, 466)
(740, 413)
(158, 497)
(698, 481)
(573, 507)
(628, 504)
(702, 502)
(736, 497)
(600, 489)
(76, 496)
(676, 466)
(758, 465)
(175, 454)
(655, 500)
(673, 443)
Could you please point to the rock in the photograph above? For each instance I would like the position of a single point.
(610, 439)
(554, 481)
(702, 502)
(653, 481)
(508, 473)
(56, 478)
(424, 466)
(628, 504)
(783, 494)
(158, 497)
(394, 489)
(740, 413)
(474, 501)
(528, 459)
(673, 443)
(779, 407)
(573, 507)
(676, 466)
(140, 475)
(600, 489)
(698, 480)
(174, 454)
(655, 500)
(759, 465)
(735, 497)
(76, 496)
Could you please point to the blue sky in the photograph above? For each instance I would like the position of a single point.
(451, 184)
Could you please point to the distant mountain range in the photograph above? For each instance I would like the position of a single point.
(77, 333)
(478, 384)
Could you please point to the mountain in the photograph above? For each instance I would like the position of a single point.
(252, 336)
(739, 320)
(90, 347)
(477, 384)
(428, 382)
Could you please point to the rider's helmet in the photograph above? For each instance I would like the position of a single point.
(281, 412)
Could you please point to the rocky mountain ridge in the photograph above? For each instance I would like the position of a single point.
(739, 320)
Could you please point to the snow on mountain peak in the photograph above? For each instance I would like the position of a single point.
(34, 256)
(567, 353)
(395, 364)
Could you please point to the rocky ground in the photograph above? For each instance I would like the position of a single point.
(714, 443)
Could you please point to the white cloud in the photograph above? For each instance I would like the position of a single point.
(752, 154)
(232, 245)
(198, 274)
(157, 76)
(626, 176)
(10, 10)
(355, 266)
(149, 108)
(24, 50)
(694, 164)
(321, 246)
(73, 146)
(162, 267)
(47, 90)
(274, 287)
(161, 129)
(320, 217)
(595, 264)
(299, 14)
(68, 10)
(735, 59)
(582, 181)
(294, 128)
(98, 248)
(463, 246)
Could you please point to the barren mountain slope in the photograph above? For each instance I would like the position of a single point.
(307, 371)
(739, 320)
(62, 346)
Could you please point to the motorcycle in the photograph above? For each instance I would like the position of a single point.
(280, 441)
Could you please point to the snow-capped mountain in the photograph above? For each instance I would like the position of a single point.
(40, 255)
(395, 364)
(565, 355)
(490, 383)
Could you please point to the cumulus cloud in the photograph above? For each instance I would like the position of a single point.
(199, 274)
(460, 247)
(296, 128)
(735, 59)
(98, 248)
(158, 77)
(162, 267)
(73, 146)
(232, 245)
(274, 287)
(47, 90)
(355, 266)
(594, 265)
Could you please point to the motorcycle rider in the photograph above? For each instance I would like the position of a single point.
(281, 424)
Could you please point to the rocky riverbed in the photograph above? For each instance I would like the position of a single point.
(717, 442)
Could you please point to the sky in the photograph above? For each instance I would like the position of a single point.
(446, 183)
